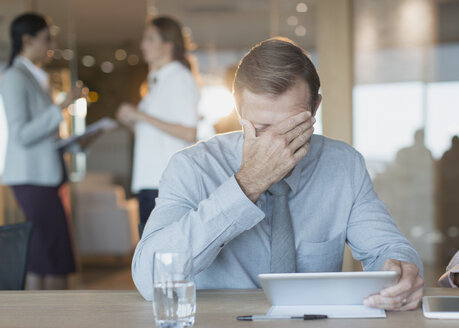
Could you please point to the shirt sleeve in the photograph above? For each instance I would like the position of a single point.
(185, 219)
(372, 234)
(446, 280)
(25, 129)
(183, 100)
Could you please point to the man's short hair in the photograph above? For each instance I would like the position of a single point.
(273, 66)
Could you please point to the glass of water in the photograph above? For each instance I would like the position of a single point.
(174, 293)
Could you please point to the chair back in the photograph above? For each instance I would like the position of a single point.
(141, 226)
(14, 250)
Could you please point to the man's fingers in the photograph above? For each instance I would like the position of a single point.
(402, 302)
(382, 302)
(300, 153)
(286, 125)
(405, 295)
(300, 129)
(301, 140)
(413, 301)
(248, 128)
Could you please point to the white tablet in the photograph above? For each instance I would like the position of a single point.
(441, 307)
(329, 288)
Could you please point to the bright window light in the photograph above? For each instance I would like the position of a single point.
(318, 125)
(442, 116)
(386, 116)
(216, 102)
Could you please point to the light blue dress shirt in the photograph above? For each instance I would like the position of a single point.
(202, 208)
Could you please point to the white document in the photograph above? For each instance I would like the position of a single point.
(103, 125)
(332, 311)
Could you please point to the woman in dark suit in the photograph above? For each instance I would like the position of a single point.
(33, 167)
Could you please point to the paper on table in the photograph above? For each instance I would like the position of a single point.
(102, 125)
(332, 311)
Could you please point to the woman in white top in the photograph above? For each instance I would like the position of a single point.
(166, 118)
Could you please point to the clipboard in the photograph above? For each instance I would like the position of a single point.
(70, 144)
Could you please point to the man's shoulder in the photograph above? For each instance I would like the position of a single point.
(333, 147)
(220, 145)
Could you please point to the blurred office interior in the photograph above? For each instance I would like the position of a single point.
(390, 82)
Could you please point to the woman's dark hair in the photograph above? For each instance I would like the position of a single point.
(170, 30)
(25, 24)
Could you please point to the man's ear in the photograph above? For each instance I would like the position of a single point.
(237, 105)
(316, 107)
(238, 113)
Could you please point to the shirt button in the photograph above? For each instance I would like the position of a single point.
(221, 246)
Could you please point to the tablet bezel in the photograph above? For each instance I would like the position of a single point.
(428, 313)
(324, 288)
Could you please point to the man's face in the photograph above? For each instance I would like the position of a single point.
(264, 110)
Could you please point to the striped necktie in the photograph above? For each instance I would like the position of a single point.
(283, 254)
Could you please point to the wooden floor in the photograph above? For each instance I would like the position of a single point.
(103, 273)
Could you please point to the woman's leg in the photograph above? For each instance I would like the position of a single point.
(50, 251)
(55, 282)
(34, 281)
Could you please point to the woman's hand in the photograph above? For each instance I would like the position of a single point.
(127, 114)
(75, 93)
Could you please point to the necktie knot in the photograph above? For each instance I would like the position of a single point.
(279, 189)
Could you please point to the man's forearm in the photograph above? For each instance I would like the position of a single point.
(224, 215)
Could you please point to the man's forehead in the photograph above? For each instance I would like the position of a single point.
(293, 100)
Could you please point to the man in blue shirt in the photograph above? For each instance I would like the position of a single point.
(275, 198)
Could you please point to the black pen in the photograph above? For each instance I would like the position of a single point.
(281, 317)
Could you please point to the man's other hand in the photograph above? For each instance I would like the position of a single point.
(403, 296)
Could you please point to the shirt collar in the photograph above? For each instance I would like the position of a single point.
(294, 177)
(305, 167)
(40, 75)
(155, 76)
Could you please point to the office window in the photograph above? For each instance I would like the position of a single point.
(406, 114)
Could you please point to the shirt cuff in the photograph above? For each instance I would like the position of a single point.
(446, 280)
(451, 272)
(236, 206)
(408, 255)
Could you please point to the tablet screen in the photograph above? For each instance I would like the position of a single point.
(444, 304)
